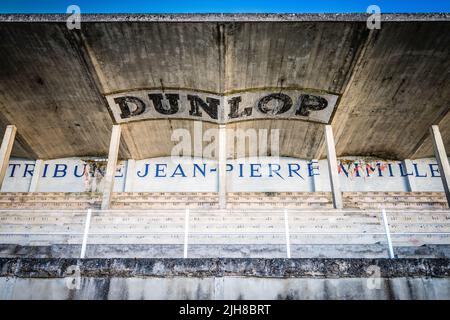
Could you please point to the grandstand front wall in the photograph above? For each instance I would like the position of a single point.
(265, 174)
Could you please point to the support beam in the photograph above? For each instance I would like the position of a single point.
(222, 167)
(332, 168)
(111, 166)
(442, 160)
(38, 166)
(5, 150)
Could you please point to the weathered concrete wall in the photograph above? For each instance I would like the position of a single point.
(225, 279)
(233, 288)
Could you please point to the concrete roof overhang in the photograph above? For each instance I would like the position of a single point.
(392, 83)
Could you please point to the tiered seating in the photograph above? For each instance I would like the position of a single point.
(331, 233)
(241, 200)
(237, 200)
(49, 200)
(415, 230)
(41, 227)
(225, 233)
(153, 224)
(297, 200)
(137, 227)
(237, 233)
(164, 200)
(395, 200)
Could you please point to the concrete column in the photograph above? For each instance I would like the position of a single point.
(409, 168)
(442, 160)
(111, 166)
(5, 150)
(131, 164)
(222, 167)
(38, 166)
(332, 168)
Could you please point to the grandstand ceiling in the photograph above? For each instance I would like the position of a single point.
(392, 83)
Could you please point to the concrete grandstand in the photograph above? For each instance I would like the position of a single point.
(210, 146)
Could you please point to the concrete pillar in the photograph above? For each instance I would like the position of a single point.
(38, 166)
(111, 166)
(442, 160)
(5, 150)
(222, 158)
(131, 165)
(408, 167)
(332, 168)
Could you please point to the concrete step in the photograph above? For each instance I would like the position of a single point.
(375, 250)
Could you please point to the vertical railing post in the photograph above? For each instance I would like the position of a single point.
(87, 225)
(222, 160)
(388, 234)
(286, 228)
(186, 232)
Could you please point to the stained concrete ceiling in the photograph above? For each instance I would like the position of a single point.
(393, 83)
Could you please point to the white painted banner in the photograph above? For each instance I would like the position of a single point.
(264, 174)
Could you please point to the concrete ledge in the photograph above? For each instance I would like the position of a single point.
(248, 251)
(218, 17)
(267, 268)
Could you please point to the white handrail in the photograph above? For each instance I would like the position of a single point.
(186, 232)
(85, 234)
(286, 227)
(388, 234)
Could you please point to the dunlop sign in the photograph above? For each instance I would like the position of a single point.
(179, 104)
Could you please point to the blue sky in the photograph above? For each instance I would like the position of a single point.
(223, 6)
